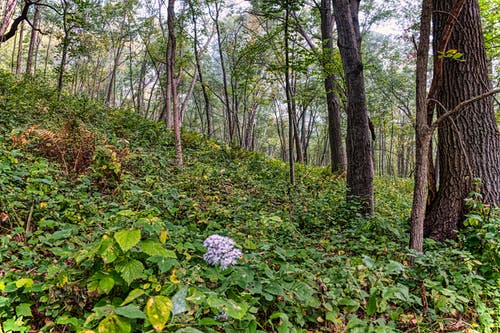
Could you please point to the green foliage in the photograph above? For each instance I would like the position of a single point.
(76, 258)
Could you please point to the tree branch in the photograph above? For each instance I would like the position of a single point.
(463, 104)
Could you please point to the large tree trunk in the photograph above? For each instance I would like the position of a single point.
(469, 145)
(288, 91)
(359, 154)
(337, 157)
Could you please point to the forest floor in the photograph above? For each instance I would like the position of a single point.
(101, 231)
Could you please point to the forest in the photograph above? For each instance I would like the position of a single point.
(249, 166)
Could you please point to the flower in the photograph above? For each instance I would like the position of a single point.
(221, 250)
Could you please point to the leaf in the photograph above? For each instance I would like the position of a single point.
(107, 251)
(158, 310)
(114, 324)
(130, 311)
(188, 330)
(156, 249)
(2, 286)
(105, 285)
(24, 282)
(127, 239)
(131, 270)
(132, 296)
(179, 301)
(163, 236)
(371, 306)
(236, 310)
(24, 310)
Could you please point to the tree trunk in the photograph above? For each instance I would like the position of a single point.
(337, 157)
(33, 39)
(359, 154)
(469, 145)
(20, 51)
(289, 97)
(172, 84)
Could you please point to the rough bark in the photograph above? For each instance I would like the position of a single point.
(172, 85)
(337, 157)
(358, 143)
(469, 145)
(33, 39)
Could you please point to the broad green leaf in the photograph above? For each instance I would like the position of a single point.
(114, 324)
(24, 282)
(105, 285)
(107, 251)
(127, 239)
(156, 249)
(236, 310)
(132, 296)
(131, 270)
(158, 310)
(130, 311)
(24, 310)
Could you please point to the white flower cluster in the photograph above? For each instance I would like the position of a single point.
(221, 250)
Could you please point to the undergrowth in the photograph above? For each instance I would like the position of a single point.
(116, 243)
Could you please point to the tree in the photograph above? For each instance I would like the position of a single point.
(358, 144)
(171, 81)
(469, 145)
(337, 158)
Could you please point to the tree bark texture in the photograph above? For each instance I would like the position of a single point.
(33, 39)
(337, 157)
(358, 142)
(469, 144)
(423, 133)
(172, 84)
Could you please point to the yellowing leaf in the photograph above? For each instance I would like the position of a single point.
(26, 282)
(114, 324)
(163, 236)
(173, 278)
(2, 286)
(43, 204)
(158, 311)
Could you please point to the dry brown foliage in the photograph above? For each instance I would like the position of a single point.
(72, 146)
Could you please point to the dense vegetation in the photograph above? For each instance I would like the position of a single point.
(101, 231)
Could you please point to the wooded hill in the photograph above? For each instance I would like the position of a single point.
(101, 231)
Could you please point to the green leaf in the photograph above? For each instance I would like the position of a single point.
(130, 311)
(105, 285)
(114, 324)
(158, 310)
(236, 310)
(24, 310)
(156, 249)
(371, 306)
(131, 270)
(132, 296)
(107, 251)
(127, 239)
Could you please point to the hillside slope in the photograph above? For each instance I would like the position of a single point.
(100, 231)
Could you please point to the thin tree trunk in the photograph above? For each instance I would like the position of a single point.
(172, 84)
(20, 51)
(33, 39)
(289, 98)
(337, 157)
(359, 152)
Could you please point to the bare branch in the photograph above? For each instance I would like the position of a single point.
(463, 104)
